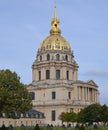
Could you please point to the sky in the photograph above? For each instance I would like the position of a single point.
(24, 24)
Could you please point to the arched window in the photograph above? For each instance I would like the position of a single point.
(48, 57)
(57, 57)
(39, 75)
(67, 75)
(40, 58)
(66, 57)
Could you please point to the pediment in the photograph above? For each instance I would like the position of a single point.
(91, 82)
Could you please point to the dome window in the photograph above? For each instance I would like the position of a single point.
(57, 74)
(67, 75)
(48, 57)
(39, 75)
(66, 57)
(47, 74)
(40, 58)
(57, 57)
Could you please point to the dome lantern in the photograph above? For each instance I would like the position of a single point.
(55, 30)
(55, 41)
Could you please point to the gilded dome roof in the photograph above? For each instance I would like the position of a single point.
(55, 41)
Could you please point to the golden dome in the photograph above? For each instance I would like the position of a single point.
(55, 41)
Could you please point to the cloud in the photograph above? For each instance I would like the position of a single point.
(97, 73)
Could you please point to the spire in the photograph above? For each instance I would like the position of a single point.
(55, 30)
(55, 12)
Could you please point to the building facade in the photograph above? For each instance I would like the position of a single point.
(55, 87)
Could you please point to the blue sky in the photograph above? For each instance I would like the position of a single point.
(24, 24)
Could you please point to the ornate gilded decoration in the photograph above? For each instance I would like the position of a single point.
(55, 41)
(55, 30)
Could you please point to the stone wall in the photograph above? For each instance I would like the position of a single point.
(21, 122)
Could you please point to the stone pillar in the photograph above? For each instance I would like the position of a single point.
(88, 98)
(82, 93)
(70, 74)
(53, 73)
(43, 74)
(78, 95)
(75, 75)
(34, 75)
(86, 93)
(63, 73)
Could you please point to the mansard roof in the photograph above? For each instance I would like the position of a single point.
(28, 114)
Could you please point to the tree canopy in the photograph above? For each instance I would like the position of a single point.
(14, 96)
(104, 114)
(68, 117)
(90, 114)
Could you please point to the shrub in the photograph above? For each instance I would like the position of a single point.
(3, 127)
(82, 127)
(37, 127)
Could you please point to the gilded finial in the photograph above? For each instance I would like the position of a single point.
(55, 10)
(55, 30)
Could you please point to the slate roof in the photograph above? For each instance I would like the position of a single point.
(28, 114)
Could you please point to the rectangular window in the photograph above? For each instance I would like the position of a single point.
(53, 115)
(47, 74)
(53, 95)
(32, 95)
(39, 75)
(57, 74)
(67, 75)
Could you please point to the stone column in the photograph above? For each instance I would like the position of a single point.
(82, 93)
(88, 98)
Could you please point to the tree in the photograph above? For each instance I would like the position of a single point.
(14, 96)
(36, 127)
(104, 114)
(3, 127)
(90, 114)
(68, 117)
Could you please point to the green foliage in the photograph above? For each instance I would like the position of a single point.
(3, 127)
(68, 117)
(11, 127)
(37, 127)
(95, 126)
(14, 96)
(77, 127)
(82, 127)
(104, 114)
(90, 114)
